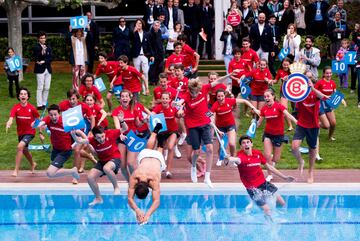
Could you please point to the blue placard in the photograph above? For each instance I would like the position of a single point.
(350, 57)
(335, 99)
(245, 90)
(224, 141)
(14, 63)
(339, 67)
(283, 53)
(78, 22)
(158, 118)
(134, 143)
(252, 129)
(99, 83)
(73, 119)
(117, 90)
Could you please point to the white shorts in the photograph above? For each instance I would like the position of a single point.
(148, 153)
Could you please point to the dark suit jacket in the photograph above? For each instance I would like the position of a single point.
(121, 41)
(93, 39)
(192, 17)
(137, 44)
(147, 15)
(167, 15)
(47, 57)
(265, 41)
(157, 10)
(157, 44)
(206, 19)
(224, 36)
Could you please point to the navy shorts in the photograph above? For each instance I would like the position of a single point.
(198, 135)
(26, 138)
(235, 90)
(100, 165)
(58, 158)
(276, 140)
(261, 193)
(227, 128)
(163, 136)
(257, 98)
(311, 135)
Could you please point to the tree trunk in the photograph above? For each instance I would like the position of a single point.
(13, 11)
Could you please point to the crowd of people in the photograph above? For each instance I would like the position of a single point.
(194, 110)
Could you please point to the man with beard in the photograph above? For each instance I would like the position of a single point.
(310, 56)
(261, 38)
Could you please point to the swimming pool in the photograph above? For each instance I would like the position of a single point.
(183, 215)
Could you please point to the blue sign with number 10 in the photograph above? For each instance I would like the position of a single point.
(14, 63)
(134, 143)
(78, 22)
(73, 119)
(335, 99)
(339, 67)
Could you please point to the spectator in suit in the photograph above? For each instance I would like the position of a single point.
(275, 33)
(263, 7)
(92, 41)
(316, 17)
(192, 23)
(261, 38)
(149, 14)
(207, 15)
(42, 69)
(157, 44)
(247, 20)
(171, 15)
(141, 49)
(180, 14)
(159, 8)
(121, 39)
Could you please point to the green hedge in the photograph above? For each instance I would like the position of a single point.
(58, 44)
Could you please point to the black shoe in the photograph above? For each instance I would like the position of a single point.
(39, 108)
(157, 128)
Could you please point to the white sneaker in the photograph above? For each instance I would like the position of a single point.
(193, 175)
(168, 175)
(351, 91)
(166, 152)
(219, 163)
(182, 139)
(269, 178)
(318, 157)
(207, 180)
(177, 152)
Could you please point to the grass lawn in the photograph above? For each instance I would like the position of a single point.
(342, 153)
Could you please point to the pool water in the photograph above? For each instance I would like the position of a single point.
(179, 217)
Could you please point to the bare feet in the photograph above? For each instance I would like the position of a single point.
(75, 173)
(116, 191)
(15, 173)
(33, 166)
(310, 180)
(301, 167)
(97, 200)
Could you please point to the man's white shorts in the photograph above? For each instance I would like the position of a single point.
(148, 153)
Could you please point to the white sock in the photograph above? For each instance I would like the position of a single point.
(207, 175)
